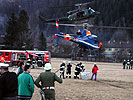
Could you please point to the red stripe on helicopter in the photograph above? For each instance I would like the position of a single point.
(67, 38)
(57, 25)
(54, 36)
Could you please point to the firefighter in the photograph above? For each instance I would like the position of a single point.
(33, 62)
(39, 61)
(8, 83)
(20, 69)
(29, 62)
(47, 80)
(68, 71)
(131, 63)
(124, 64)
(77, 70)
(94, 71)
(62, 69)
(128, 64)
(2, 60)
(82, 67)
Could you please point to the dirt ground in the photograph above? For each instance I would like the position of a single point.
(113, 83)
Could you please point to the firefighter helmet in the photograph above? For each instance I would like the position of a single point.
(64, 62)
(69, 62)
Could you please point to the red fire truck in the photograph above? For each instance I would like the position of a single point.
(14, 56)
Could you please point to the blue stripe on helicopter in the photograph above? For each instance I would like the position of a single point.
(96, 47)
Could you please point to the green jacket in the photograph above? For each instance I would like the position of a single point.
(25, 84)
(47, 79)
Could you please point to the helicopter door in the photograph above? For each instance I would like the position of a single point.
(95, 40)
(80, 14)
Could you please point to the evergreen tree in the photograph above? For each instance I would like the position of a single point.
(11, 32)
(24, 34)
(42, 42)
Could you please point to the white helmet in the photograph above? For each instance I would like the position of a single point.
(64, 62)
(28, 60)
(47, 66)
(95, 64)
(69, 62)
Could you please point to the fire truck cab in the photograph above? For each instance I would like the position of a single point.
(13, 57)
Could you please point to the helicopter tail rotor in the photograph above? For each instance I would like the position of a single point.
(58, 32)
(100, 44)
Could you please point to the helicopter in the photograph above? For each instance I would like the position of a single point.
(84, 39)
(75, 15)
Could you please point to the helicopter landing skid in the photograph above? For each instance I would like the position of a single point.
(82, 52)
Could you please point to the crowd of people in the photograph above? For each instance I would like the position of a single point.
(19, 85)
(78, 69)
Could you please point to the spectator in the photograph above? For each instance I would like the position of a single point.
(94, 71)
(8, 83)
(20, 68)
(47, 80)
(25, 84)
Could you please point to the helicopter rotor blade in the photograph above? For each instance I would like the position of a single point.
(89, 25)
(71, 25)
(79, 4)
(113, 27)
(60, 6)
(82, 4)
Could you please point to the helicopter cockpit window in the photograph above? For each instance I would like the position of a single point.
(92, 11)
(79, 32)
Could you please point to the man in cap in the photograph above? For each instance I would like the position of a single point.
(47, 80)
(8, 83)
(68, 72)
(62, 69)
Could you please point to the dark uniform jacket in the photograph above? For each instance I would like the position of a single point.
(78, 68)
(8, 84)
(69, 67)
(62, 67)
(47, 79)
